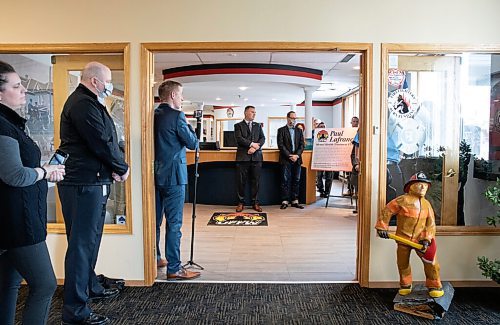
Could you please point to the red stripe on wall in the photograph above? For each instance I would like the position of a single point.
(318, 104)
(242, 71)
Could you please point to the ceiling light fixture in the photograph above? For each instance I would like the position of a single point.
(218, 98)
(242, 88)
(245, 99)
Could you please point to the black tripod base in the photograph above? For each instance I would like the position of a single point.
(192, 265)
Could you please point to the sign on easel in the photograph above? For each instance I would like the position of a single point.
(332, 149)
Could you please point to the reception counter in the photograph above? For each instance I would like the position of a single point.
(217, 180)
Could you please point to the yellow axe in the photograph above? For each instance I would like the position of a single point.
(428, 254)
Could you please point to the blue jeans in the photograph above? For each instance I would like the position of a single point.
(290, 180)
(33, 264)
(159, 220)
(171, 202)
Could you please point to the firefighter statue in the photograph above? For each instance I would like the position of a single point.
(416, 227)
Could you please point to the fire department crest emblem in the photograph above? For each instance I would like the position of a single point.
(403, 103)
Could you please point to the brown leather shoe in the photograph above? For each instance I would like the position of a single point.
(161, 262)
(240, 207)
(183, 274)
(257, 207)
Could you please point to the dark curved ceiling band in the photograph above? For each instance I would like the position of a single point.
(242, 68)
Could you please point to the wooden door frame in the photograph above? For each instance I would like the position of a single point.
(147, 100)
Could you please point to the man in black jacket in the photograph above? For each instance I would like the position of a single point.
(88, 135)
(291, 145)
(250, 139)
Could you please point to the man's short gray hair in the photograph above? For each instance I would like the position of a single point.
(94, 69)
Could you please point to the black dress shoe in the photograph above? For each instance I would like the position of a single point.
(298, 206)
(283, 206)
(110, 283)
(93, 319)
(106, 294)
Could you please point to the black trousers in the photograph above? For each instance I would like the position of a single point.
(248, 170)
(328, 176)
(84, 209)
(290, 181)
(31, 263)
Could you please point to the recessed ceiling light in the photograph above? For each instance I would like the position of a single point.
(218, 98)
(245, 99)
(356, 67)
(242, 88)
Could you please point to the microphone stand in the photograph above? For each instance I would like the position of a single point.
(191, 263)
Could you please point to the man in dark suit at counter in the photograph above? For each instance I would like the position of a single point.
(250, 139)
(172, 135)
(291, 146)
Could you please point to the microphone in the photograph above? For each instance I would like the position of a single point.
(198, 114)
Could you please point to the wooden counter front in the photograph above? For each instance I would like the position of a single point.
(269, 155)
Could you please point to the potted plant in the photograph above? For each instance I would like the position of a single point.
(490, 268)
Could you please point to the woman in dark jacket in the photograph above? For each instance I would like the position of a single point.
(23, 210)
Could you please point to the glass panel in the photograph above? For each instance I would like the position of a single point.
(35, 71)
(225, 132)
(37, 75)
(351, 108)
(443, 120)
(274, 124)
(480, 134)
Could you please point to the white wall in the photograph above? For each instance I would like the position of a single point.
(426, 21)
(337, 116)
(324, 113)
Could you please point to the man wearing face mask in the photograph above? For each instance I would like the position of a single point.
(88, 135)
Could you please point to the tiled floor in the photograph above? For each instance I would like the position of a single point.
(314, 244)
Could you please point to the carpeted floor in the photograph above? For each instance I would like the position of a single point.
(246, 303)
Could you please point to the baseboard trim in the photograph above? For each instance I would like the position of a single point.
(458, 284)
(128, 283)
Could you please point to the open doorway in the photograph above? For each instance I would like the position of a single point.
(157, 60)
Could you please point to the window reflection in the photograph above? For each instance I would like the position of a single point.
(444, 119)
(37, 76)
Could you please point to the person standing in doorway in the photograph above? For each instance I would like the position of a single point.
(291, 145)
(88, 136)
(354, 177)
(172, 135)
(250, 139)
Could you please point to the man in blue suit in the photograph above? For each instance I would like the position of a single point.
(172, 135)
